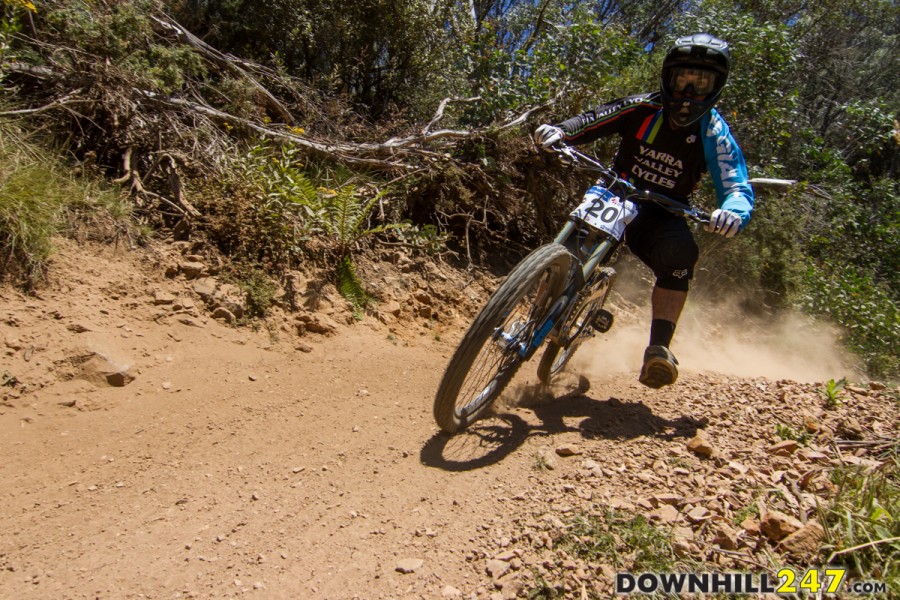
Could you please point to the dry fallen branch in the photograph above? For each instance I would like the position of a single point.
(30, 70)
(169, 165)
(877, 443)
(165, 201)
(131, 176)
(739, 557)
(861, 546)
(356, 154)
(764, 183)
(399, 154)
(343, 152)
(227, 63)
(126, 166)
(68, 99)
(439, 114)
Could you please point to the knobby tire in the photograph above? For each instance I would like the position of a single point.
(481, 367)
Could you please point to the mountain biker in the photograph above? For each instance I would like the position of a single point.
(668, 139)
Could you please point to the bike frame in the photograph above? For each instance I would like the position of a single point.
(577, 290)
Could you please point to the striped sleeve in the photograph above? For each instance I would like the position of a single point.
(604, 120)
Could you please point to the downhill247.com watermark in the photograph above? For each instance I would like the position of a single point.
(827, 580)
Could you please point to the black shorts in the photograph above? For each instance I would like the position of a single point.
(664, 243)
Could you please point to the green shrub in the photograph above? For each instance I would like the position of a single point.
(39, 200)
(611, 536)
(862, 522)
(123, 35)
(31, 213)
(833, 391)
(351, 287)
(10, 25)
(293, 208)
(868, 314)
(259, 290)
(786, 432)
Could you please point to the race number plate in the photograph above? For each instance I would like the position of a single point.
(605, 211)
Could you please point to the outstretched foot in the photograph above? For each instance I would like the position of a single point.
(659, 367)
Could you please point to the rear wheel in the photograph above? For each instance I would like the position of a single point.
(489, 354)
(557, 354)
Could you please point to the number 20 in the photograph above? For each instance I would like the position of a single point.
(609, 214)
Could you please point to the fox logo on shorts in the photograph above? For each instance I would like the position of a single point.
(680, 274)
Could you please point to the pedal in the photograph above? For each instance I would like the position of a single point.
(603, 320)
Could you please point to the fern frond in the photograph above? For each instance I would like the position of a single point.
(346, 213)
(351, 287)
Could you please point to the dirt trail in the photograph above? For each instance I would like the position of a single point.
(234, 464)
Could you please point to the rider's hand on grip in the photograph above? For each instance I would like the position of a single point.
(547, 136)
(724, 222)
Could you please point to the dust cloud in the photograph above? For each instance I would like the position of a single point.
(721, 339)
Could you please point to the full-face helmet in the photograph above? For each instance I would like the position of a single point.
(694, 72)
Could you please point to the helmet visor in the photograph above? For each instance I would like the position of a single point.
(692, 81)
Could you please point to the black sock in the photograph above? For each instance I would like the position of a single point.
(661, 332)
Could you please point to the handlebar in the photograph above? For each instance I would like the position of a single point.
(625, 189)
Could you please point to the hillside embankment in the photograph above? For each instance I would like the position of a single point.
(153, 450)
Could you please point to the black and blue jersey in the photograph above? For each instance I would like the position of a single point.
(655, 156)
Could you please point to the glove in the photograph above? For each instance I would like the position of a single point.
(547, 136)
(724, 222)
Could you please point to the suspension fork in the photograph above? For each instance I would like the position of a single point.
(575, 292)
(602, 252)
(527, 347)
(555, 315)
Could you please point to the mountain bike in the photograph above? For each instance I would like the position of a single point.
(555, 295)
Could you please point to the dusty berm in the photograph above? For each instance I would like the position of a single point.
(153, 450)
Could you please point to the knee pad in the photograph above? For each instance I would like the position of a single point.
(673, 263)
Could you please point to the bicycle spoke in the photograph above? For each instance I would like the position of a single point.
(494, 347)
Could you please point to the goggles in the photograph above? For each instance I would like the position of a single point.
(692, 81)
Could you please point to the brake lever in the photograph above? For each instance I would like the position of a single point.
(701, 217)
(566, 154)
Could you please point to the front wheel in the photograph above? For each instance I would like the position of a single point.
(557, 354)
(490, 353)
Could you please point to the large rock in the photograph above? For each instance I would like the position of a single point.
(726, 537)
(105, 370)
(409, 565)
(546, 458)
(231, 298)
(392, 307)
(665, 513)
(320, 324)
(191, 270)
(804, 542)
(223, 314)
(776, 525)
(701, 446)
(850, 429)
(294, 286)
(497, 568)
(784, 448)
(161, 297)
(205, 287)
(569, 450)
